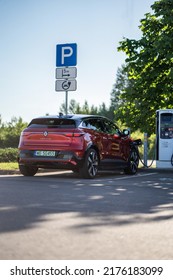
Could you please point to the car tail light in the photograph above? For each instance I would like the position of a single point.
(75, 134)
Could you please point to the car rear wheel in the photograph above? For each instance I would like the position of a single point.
(90, 166)
(133, 162)
(28, 170)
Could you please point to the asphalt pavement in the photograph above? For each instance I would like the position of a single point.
(58, 215)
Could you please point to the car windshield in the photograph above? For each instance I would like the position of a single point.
(52, 122)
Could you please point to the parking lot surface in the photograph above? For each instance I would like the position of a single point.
(61, 216)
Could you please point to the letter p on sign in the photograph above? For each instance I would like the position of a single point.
(66, 55)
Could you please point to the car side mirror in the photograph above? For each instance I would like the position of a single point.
(126, 132)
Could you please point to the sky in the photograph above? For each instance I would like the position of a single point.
(29, 33)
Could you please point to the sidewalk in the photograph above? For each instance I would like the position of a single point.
(152, 167)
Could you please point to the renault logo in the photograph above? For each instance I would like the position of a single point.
(45, 133)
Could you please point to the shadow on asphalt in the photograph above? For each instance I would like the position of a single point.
(110, 199)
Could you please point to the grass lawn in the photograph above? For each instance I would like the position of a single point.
(8, 165)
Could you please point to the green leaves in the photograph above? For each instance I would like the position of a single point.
(10, 132)
(149, 69)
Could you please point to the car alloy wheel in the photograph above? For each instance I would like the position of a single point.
(90, 166)
(133, 162)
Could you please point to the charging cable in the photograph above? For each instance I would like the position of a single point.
(172, 160)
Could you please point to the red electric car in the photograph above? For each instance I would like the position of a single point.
(82, 143)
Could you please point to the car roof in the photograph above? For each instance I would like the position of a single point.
(70, 116)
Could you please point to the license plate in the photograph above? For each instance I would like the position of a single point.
(44, 153)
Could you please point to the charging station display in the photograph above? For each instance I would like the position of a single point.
(164, 133)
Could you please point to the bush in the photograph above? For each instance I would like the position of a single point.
(8, 155)
(151, 144)
(10, 132)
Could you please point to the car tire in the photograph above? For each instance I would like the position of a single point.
(90, 166)
(28, 170)
(133, 162)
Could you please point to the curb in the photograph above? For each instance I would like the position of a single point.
(9, 172)
(141, 169)
(154, 169)
(17, 171)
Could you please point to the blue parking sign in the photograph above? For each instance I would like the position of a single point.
(66, 55)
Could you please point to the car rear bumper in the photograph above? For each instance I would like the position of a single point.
(62, 159)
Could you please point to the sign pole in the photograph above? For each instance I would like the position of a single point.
(66, 55)
(66, 102)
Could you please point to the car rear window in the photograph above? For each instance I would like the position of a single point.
(52, 123)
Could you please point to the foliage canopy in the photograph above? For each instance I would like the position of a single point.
(148, 72)
(10, 132)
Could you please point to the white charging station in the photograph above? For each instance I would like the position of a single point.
(164, 142)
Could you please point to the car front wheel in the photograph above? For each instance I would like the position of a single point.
(90, 167)
(133, 162)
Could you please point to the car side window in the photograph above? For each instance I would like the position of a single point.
(111, 128)
(94, 124)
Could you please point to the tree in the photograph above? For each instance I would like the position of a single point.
(149, 69)
(10, 132)
(75, 108)
(119, 102)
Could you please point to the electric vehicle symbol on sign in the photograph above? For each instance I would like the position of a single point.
(65, 85)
